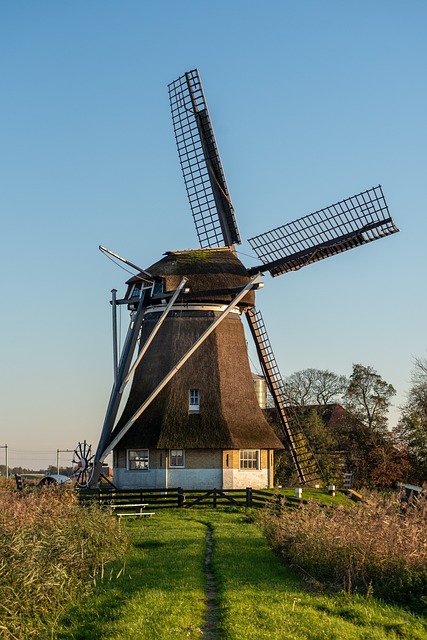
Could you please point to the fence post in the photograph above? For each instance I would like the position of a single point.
(249, 496)
(19, 482)
(180, 497)
(214, 498)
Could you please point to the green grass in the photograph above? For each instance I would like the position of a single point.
(160, 589)
(160, 594)
(322, 496)
(261, 598)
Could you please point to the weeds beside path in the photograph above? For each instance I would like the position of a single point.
(50, 551)
(161, 594)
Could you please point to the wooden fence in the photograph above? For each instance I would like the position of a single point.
(184, 499)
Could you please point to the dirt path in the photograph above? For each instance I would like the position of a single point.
(210, 628)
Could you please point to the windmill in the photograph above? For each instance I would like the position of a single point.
(186, 314)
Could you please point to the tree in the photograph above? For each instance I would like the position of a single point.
(313, 387)
(385, 463)
(368, 398)
(418, 392)
(419, 375)
(411, 430)
(354, 438)
(323, 444)
(308, 392)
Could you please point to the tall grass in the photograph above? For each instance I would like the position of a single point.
(51, 550)
(372, 549)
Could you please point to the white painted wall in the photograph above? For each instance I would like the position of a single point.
(195, 478)
(151, 479)
(240, 479)
(191, 478)
(162, 478)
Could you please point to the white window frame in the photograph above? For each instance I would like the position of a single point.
(142, 457)
(173, 455)
(141, 286)
(194, 401)
(249, 460)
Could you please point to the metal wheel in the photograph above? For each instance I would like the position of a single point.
(83, 464)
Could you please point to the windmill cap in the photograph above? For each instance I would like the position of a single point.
(213, 275)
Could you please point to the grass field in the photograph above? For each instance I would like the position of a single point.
(320, 495)
(159, 590)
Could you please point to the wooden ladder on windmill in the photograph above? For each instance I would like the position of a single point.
(302, 456)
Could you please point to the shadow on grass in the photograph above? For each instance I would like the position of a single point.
(151, 565)
(92, 618)
(83, 622)
(147, 544)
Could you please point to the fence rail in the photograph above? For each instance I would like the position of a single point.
(179, 498)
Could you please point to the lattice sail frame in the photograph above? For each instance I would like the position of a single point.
(302, 456)
(201, 165)
(345, 225)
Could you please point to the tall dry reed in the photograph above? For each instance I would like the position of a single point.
(372, 548)
(51, 549)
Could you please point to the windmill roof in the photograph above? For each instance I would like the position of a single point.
(211, 274)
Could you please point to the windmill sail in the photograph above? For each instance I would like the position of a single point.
(201, 166)
(302, 457)
(345, 225)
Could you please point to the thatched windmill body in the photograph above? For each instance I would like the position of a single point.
(192, 418)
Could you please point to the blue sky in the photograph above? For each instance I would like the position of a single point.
(311, 102)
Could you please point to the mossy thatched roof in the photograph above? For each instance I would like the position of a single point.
(211, 274)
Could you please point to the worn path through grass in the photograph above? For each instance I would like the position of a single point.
(161, 592)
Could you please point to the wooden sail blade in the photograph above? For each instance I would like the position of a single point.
(302, 457)
(201, 165)
(342, 226)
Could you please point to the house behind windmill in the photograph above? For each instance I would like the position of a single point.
(205, 429)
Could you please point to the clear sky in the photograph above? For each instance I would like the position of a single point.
(312, 102)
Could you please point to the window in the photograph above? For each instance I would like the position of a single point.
(140, 286)
(157, 288)
(135, 291)
(194, 406)
(249, 458)
(138, 459)
(176, 457)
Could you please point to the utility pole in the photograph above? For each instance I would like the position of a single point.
(58, 451)
(6, 455)
(115, 356)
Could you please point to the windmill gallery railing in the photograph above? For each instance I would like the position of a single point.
(179, 498)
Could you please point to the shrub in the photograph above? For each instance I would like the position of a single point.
(372, 548)
(51, 550)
